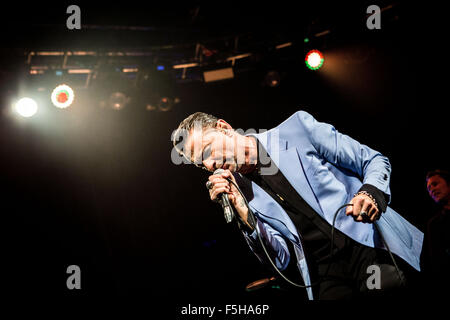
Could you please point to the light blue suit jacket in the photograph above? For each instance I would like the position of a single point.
(326, 168)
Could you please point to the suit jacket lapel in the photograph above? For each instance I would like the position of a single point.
(294, 170)
(292, 164)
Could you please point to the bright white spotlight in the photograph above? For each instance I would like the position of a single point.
(26, 107)
(62, 96)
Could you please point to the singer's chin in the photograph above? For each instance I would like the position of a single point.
(233, 167)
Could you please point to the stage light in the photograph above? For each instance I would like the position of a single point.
(164, 104)
(150, 107)
(130, 70)
(272, 79)
(219, 74)
(62, 96)
(26, 107)
(314, 59)
(118, 100)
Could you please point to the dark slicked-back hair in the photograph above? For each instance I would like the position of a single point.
(198, 119)
(206, 121)
(442, 173)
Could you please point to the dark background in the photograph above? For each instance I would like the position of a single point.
(97, 188)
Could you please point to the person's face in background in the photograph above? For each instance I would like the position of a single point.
(438, 189)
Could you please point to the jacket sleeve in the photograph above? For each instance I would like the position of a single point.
(274, 242)
(371, 166)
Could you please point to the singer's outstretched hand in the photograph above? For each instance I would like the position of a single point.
(220, 185)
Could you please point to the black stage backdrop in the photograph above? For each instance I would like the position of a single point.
(97, 188)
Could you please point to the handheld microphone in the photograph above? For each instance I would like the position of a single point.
(225, 203)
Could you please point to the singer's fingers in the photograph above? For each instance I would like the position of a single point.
(216, 191)
(223, 176)
(232, 198)
(373, 214)
(228, 175)
(220, 184)
(216, 179)
(357, 204)
(349, 209)
(366, 208)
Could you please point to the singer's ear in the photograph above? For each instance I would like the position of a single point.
(222, 124)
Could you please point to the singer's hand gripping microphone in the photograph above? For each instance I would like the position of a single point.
(225, 203)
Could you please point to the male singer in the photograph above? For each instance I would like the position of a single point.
(295, 177)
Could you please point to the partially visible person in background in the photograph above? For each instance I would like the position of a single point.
(437, 236)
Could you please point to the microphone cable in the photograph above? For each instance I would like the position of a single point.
(331, 245)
